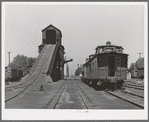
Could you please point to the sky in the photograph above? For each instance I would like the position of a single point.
(83, 28)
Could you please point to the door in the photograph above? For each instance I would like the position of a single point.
(111, 65)
(50, 37)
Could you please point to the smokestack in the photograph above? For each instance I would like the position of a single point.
(78, 65)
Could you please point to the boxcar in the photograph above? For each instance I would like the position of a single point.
(13, 74)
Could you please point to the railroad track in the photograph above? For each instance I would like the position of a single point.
(141, 84)
(79, 91)
(135, 99)
(16, 94)
(20, 92)
(12, 96)
(129, 97)
(133, 86)
(132, 94)
(57, 97)
(99, 96)
(55, 102)
(10, 88)
(136, 85)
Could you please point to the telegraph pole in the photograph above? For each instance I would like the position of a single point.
(9, 58)
(139, 55)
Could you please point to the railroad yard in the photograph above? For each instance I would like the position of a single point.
(100, 84)
(73, 94)
(74, 61)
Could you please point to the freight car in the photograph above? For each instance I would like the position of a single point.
(13, 74)
(107, 68)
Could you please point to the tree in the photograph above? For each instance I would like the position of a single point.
(79, 71)
(140, 63)
(132, 66)
(23, 62)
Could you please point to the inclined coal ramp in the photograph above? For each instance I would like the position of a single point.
(42, 63)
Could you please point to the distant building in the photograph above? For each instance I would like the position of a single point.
(140, 68)
(128, 75)
(133, 70)
(137, 69)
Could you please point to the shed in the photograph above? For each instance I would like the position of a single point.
(51, 35)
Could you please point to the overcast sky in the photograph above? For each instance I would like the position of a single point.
(83, 28)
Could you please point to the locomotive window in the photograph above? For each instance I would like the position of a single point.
(102, 60)
(124, 62)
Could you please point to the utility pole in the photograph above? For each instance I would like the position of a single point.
(139, 55)
(9, 58)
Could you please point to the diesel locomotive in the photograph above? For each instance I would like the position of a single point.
(107, 68)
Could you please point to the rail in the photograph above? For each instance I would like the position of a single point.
(59, 93)
(57, 97)
(78, 89)
(125, 99)
(32, 78)
(129, 86)
(132, 94)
